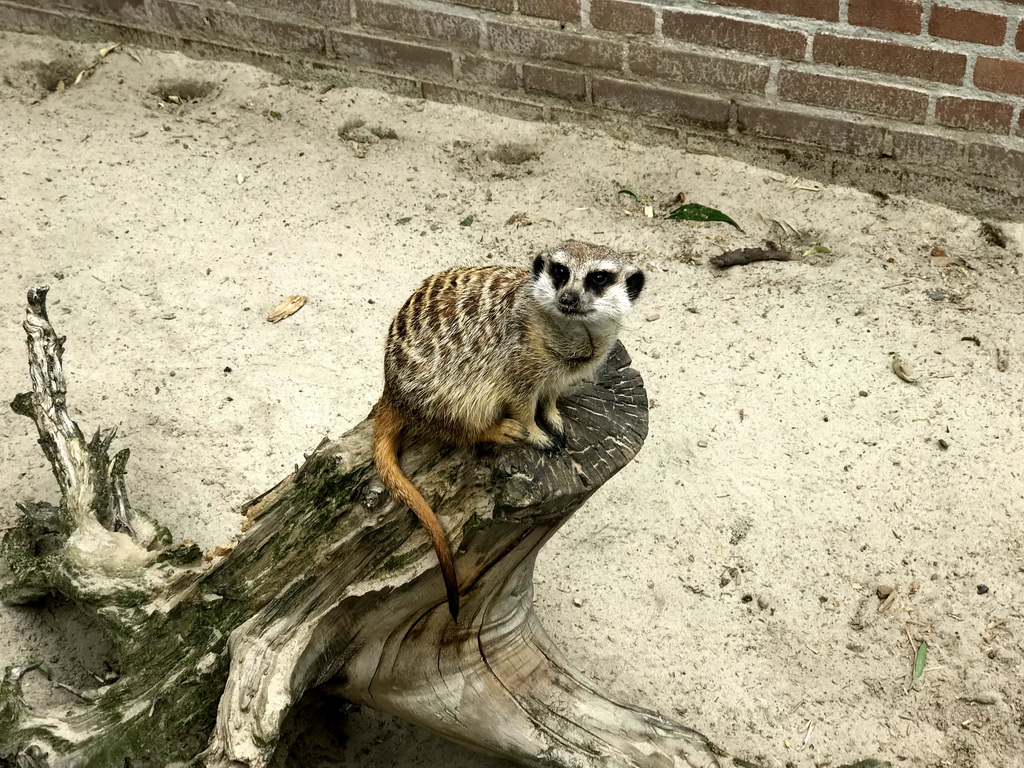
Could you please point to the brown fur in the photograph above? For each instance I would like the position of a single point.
(476, 354)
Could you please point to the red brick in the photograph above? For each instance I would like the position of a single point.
(974, 114)
(1020, 36)
(992, 160)
(501, 74)
(853, 95)
(432, 25)
(184, 17)
(558, 82)
(216, 24)
(126, 10)
(35, 20)
(504, 6)
(999, 75)
(483, 101)
(698, 68)
(893, 15)
(735, 34)
(1020, 123)
(969, 26)
(571, 48)
(636, 97)
(841, 135)
(318, 10)
(826, 10)
(267, 33)
(617, 16)
(891, 58)
(924, 149)
(563, 10)
(201, 49)
(390, 54)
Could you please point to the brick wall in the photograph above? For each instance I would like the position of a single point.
(920, 97)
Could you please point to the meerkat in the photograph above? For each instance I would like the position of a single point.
(482, 354)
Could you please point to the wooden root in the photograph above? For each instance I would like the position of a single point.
(333, 592)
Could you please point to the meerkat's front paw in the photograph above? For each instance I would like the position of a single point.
(538, 438)
(551, 421)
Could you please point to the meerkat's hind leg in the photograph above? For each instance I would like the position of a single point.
(504, 432)
(551, 420)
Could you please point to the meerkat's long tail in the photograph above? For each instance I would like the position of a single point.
(387, 433)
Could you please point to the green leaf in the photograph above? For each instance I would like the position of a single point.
(696, 212)
(922, 655)
(466, 221)
(634, 195)
(815, 249)
(42, 666)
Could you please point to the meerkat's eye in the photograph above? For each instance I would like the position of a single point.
(599, 279)
(560, 274)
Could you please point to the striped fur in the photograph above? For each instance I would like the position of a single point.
(479, 354)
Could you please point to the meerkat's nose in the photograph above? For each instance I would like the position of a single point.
(569, 300)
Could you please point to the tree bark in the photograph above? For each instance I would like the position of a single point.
(333, 591)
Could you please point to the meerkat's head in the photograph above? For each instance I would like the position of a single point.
(589, 283)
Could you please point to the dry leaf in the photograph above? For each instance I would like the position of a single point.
(286, 308)
(61, 87)
(902, 371)
(108, 49)
(942, 259)
(81, 75)
(133, 54)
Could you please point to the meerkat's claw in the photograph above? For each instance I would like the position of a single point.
(538, 438)
(555, 449)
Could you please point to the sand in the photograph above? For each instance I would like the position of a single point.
(730, 575)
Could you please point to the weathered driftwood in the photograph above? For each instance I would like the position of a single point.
(333, 591)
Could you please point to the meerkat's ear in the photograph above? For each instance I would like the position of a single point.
(538, 265)
(634, 284)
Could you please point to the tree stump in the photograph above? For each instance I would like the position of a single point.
(332, 592)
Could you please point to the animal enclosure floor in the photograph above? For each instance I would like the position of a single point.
(733, 575)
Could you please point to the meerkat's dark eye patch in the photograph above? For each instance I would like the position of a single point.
(598, 280)
(634, 284)
(538, 266)
(559, 275)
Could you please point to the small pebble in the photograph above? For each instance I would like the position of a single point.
(652, 317)
(702, 443)
(883, 591)
(863, 393)
(943, 444)
(982, 589)
(763, 602)
(577, 602)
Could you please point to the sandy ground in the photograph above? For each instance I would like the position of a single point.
(729, 575)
